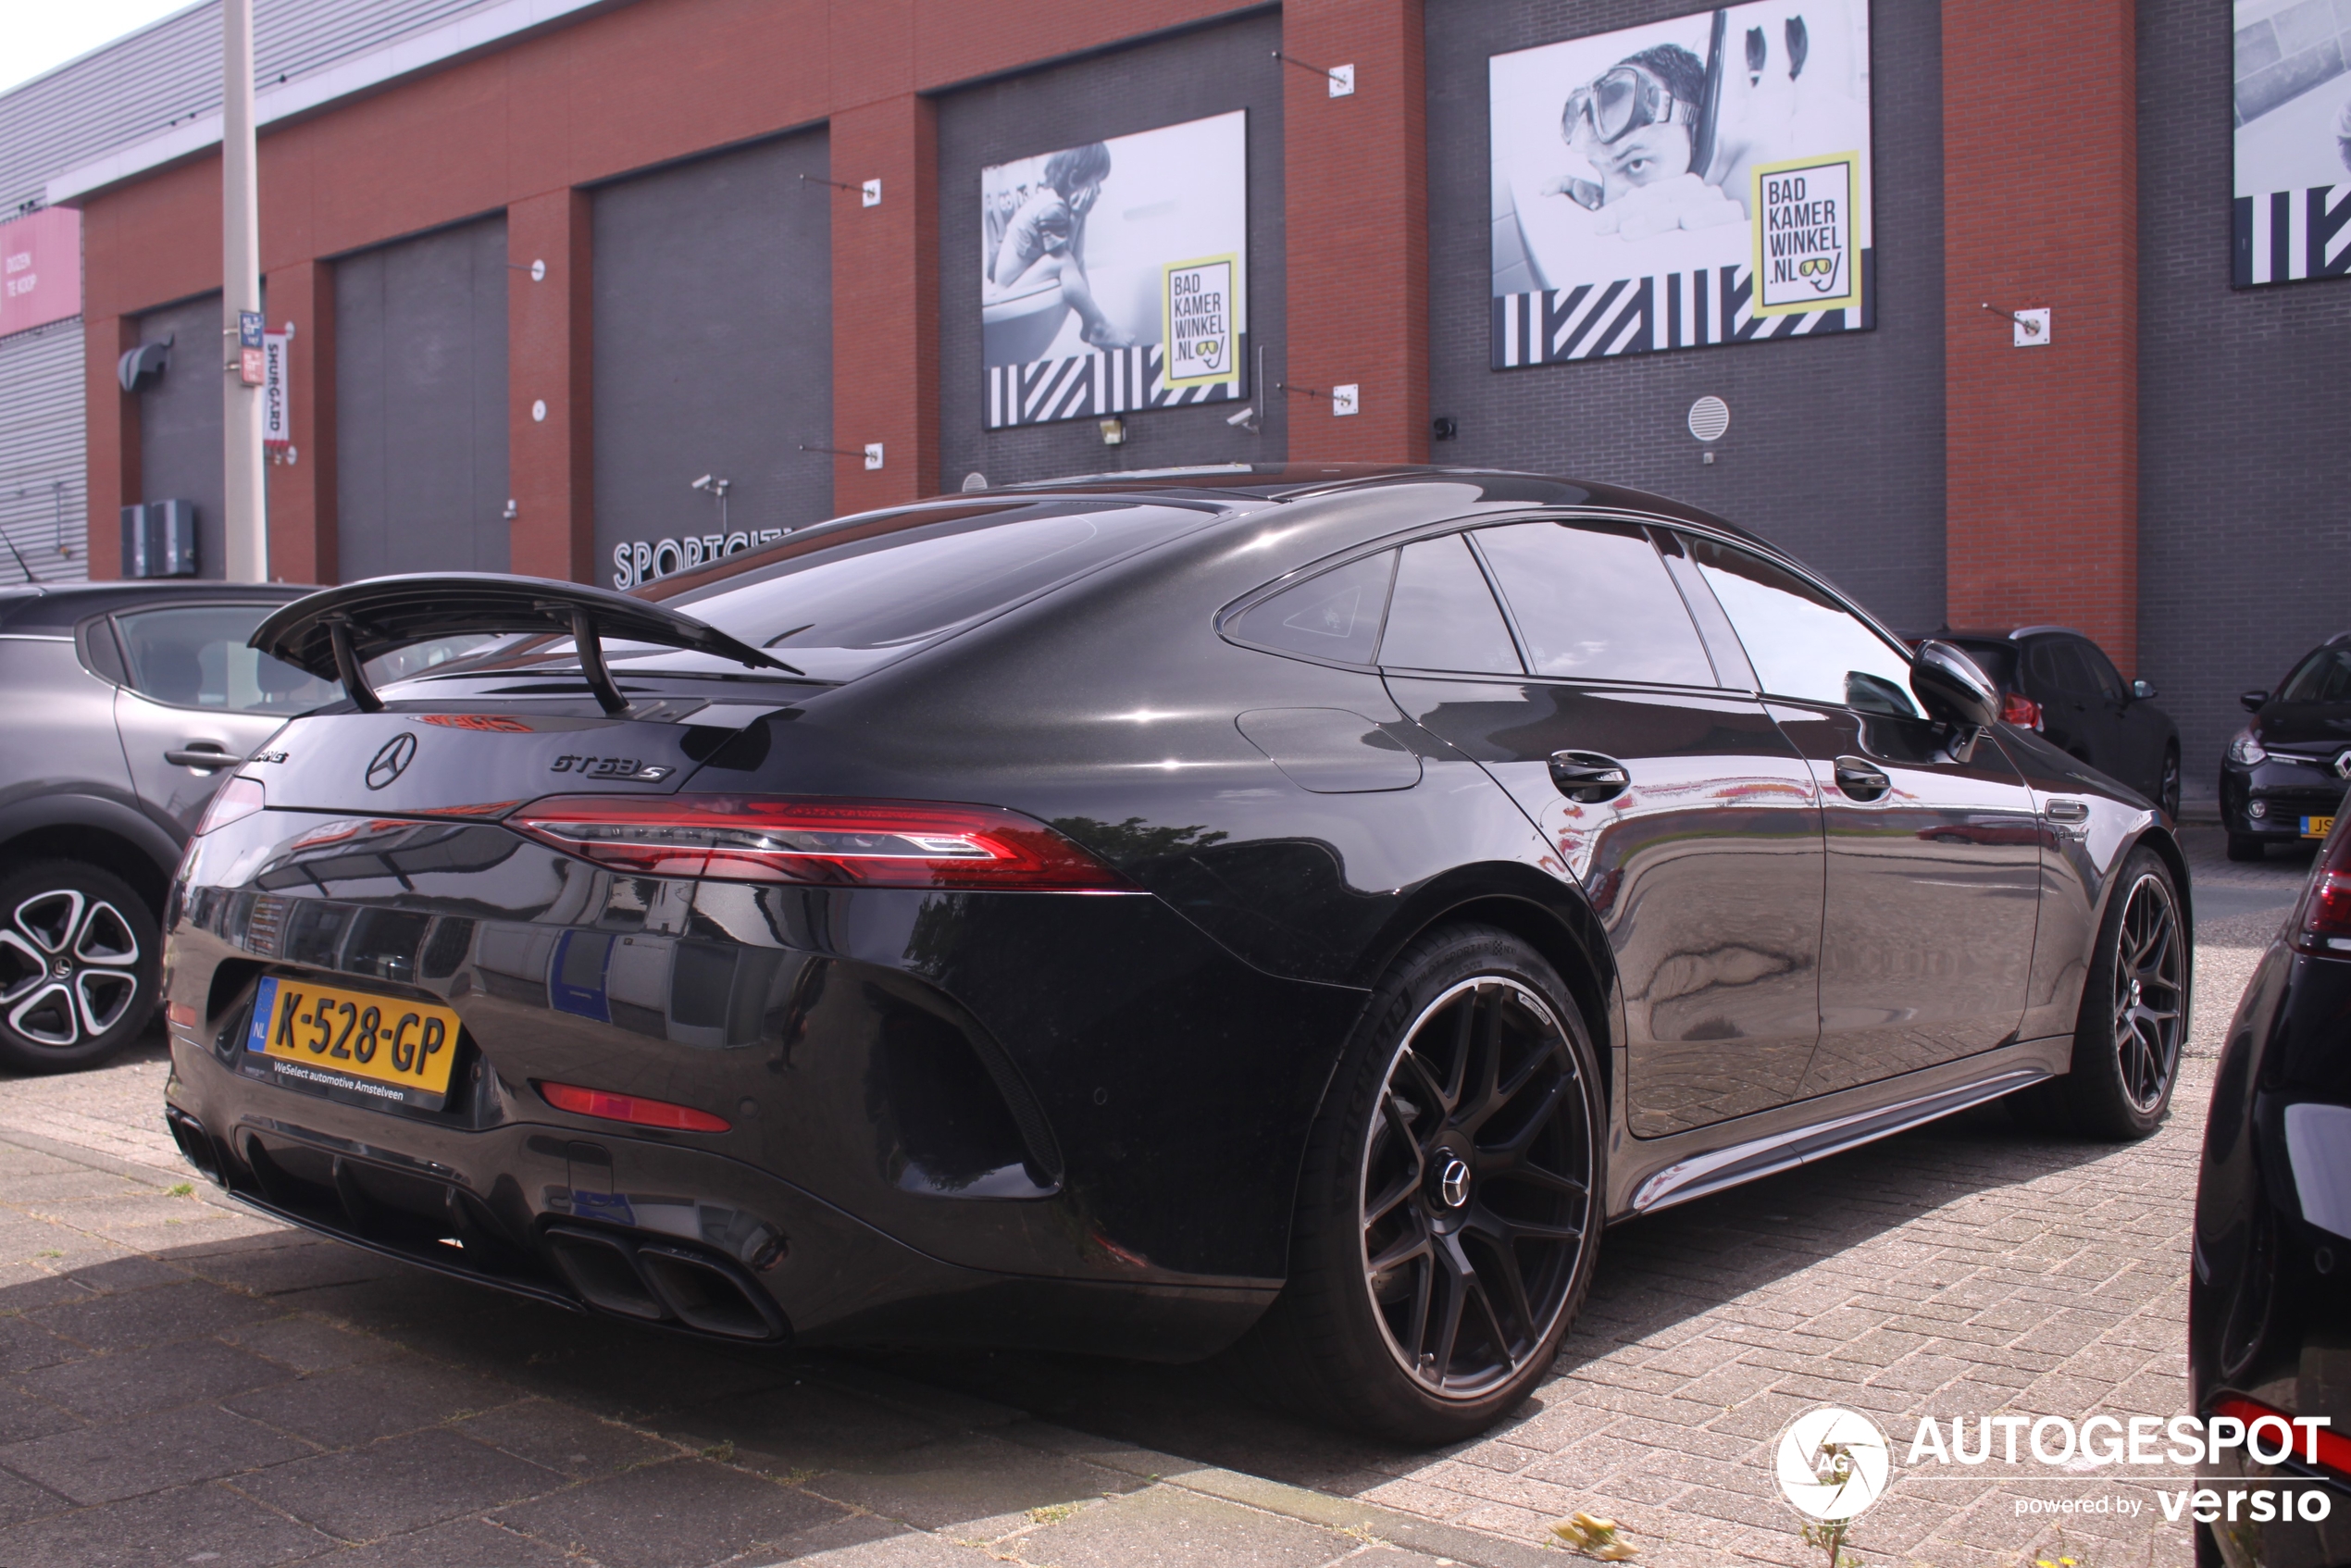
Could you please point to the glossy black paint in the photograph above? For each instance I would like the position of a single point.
(1058, 1118)
(2269, 1311)
(2302, 774)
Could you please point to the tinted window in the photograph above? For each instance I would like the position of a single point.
(2058, 669)
(1802, 642)
(839, 601)
(1592, 600)
(195, 657)
(1335, 616)
(2324, 677)
(1442, 616)
(2104, 677)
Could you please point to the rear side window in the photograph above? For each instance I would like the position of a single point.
(2324, 677)
(1803, 644)
(1593, 601)
(1335, 616)
(1442, 615)
(2058, 667)
(194, 656)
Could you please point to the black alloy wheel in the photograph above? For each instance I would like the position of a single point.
(1449, 1216)
(80, 960)
(2133, 1019)
(2167, 790)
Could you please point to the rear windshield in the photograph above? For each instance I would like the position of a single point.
(835, 613)
(843, 598)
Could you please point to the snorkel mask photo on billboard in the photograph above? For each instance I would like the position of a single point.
(1639, 158)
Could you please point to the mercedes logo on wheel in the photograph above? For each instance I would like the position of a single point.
(1452, 1183)
(391, 762)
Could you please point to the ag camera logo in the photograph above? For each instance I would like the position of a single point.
(1831, 1463)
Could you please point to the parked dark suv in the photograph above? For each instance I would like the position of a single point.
(2058, 681)
(127, 704)
(2284, 775)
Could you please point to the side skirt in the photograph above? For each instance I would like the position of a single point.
(1645, 1176)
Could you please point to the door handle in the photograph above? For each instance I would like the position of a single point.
(1588, 778)
(205, 754)
(1861, 780)
(2070, 816)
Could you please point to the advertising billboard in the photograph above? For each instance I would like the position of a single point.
(1689, 183)
(1115, 275)
(39, 270)
(2292, 216)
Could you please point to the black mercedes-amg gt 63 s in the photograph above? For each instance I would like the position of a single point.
(2268, 1315)
(1299, 907)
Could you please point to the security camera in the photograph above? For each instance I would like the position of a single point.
(701, 483)
(1244, 420)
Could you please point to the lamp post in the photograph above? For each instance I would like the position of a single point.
(245, 525)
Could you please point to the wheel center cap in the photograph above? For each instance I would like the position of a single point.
(61, 969)
(2135, 993)
(1453, 1183)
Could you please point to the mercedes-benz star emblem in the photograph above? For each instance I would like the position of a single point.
(2343, 764)
(1452, 1184)
(391, 762)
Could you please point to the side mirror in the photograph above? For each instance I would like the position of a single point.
(2141, 689)
(2252, 701)
(1952, 689)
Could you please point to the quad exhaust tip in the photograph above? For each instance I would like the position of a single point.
(652, 1282)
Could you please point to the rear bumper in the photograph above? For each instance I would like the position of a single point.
(1033, 1119)
(526, 1209)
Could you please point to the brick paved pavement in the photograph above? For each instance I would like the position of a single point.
(182, 1383)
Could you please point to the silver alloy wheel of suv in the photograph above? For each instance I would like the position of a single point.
(79, 965)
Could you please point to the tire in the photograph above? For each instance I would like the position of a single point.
(2245, 846)
(1471, 1031)
(2133, 1019)
(2167, 785)
(80, 967)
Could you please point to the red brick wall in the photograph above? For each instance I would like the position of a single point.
(1355, 176)
(551, 462)
(302, 493)
(2041, 209)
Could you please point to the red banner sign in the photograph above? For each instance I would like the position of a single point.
(39, 270)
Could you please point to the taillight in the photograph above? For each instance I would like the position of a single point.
(816, 839)
(2331, 1448)
(2020, 710)
(633, 1108)
(233, 802)
(2322, 923)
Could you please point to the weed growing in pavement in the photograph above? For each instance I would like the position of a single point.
(181, 1189)
(723, 1452)
(1829, 1536)
(1595, 1537)
(1053, 1515)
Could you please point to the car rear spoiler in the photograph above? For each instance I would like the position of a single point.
(334, 632)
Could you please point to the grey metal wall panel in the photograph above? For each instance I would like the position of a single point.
(43, 474)
(2244, 532)
(180, 425)
(714, 347)
(421, 404)
(153, 79)
(1835, 445)
(1187, 76)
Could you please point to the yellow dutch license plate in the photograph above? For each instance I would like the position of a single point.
(386, 1047)
(2317, 826)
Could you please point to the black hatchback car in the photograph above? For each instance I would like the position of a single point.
(2270, 1303)
(1131, 914)
(2055, 680)
(2284, 774)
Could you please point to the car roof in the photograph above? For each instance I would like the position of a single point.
(2006, 634)
(55, 608)
(1237, 484)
